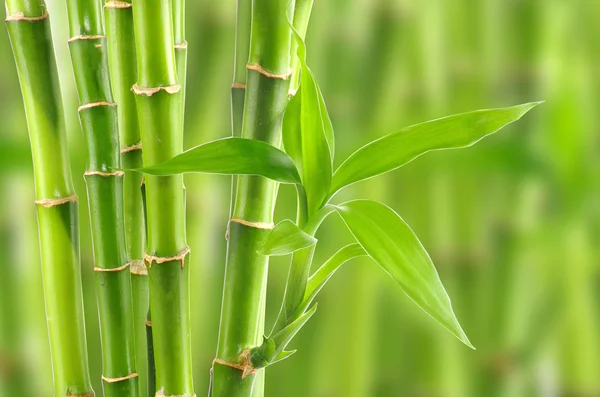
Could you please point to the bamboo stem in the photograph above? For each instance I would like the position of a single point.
(99, 122)
(242, 312)
(29, 31)
(123, 70)
(160, 114)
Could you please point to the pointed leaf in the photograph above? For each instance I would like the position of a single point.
(394, 150)
(308, 136)
(231, 156)
(286, 238)
(393, 245)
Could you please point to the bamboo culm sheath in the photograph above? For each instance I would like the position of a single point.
(242, 312)
(123, 71)
(56, 202)
(159, 103)
(99, 122)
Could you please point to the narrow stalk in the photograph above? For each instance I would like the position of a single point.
(159, 109)
(242, 312)
(123, 70)
(98, 117)
(301, 18)
(56, 202)
(180, 45)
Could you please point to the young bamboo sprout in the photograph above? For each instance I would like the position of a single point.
(123, 71)
(98, 117)
(159, 106)
(56, 202)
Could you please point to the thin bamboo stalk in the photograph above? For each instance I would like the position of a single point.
(56, 202)
(123, 70)
(159, 106)
(242, 312)
(99, 122)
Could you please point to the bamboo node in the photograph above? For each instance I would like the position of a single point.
(180, 256)
(138, 267)
(117, 4)
(256, 225)
(120, 379)
(90, 394)
(169, 89)
(245, 366)
(161, 393)
(181, 46)
(19, 16)
(111, 270)
(148, 323)
(258, 68)
(96, 104)
(101, 173)
(240, 86)
(86, 37)
(49, 203)
(132, 148)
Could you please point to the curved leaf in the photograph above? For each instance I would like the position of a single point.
(394, 150)
(286, 238)
(393, 245)
(231, 156)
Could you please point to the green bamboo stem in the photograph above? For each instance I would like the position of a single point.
(123, 70)
(301, 19)
(56, 202)
(99, 122)
(242, 312)
(159, 109)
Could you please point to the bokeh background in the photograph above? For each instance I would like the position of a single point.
(511, 224)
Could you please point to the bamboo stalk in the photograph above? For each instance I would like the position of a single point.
(56, 202)
(99, 122)
(123, 70)
(161, 126)
(242, 312)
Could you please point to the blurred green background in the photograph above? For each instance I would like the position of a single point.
(510, 223)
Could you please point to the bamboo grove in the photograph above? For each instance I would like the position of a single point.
(130, 65)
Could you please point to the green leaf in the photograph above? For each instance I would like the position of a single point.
(393, 245)
(394, 150)
(308, 136)
(286, 238)
(231, 156)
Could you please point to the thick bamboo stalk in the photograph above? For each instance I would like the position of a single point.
(123, 70)
(56, 202)
(242, 312)
(167, 255)
(99, 122)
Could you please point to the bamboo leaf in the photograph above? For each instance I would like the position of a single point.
(231, 156)
(394, 150)
(390, 242)
(308, 136)
(286, 238)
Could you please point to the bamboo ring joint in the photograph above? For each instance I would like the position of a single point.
(161, 393)
(112, 270)
(169, 89)
(90, 394)
(138, 267)
(148, 323)
(49, 203)
(240, 86)
(181, 46)
(246, 366)
(96, 104)
(180, 256)
(132, 148)
(122, 378)
(105, 174)
(117, 4)
(86, 37)
(20, 17)
(256, 225)
(258, 68)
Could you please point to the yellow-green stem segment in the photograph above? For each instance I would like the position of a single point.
(56, 202)
(123, 70)
(99, 122)
(159, 106)
(242, 312)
